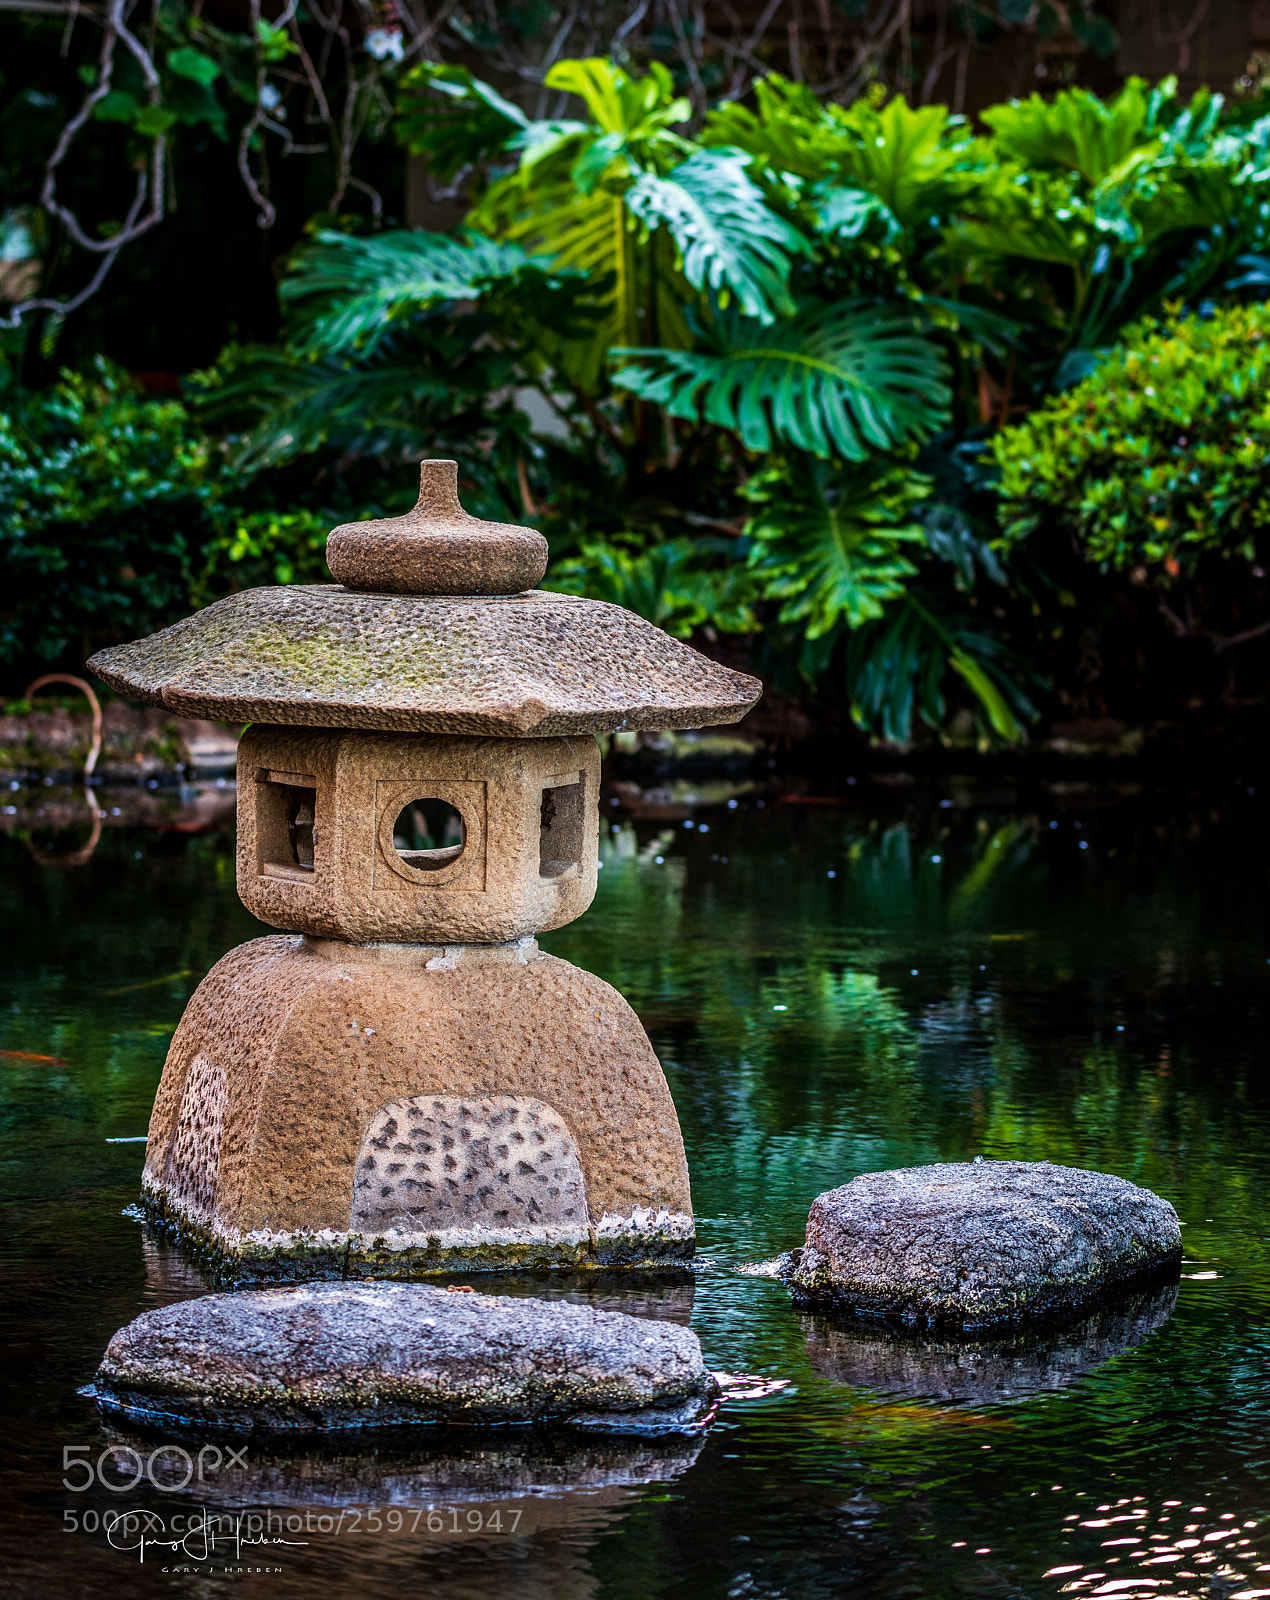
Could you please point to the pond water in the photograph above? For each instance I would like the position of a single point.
(903, 975)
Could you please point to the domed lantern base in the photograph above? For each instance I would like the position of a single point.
(402, 1110)
(402, 1082)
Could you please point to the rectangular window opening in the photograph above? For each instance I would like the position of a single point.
(563, 822)
(286, 811)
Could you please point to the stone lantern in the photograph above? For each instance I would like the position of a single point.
(400, 1081)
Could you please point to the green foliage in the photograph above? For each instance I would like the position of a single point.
(275, 43)
(1074, 217)
(119, 513)
(452, 118)
(422, 381)
(106, 500)
(1078, 131)
(619, 263)
(652, 219)
(348, 290)
(1160, 454)
(834, 546)
(837, 379)
(749, 375)
(898, 667)
(665, 583)
(841, 552)
(728, 241)
(1097, 211)
(917, 164)
(193, 64)
(186, 92)
(263, 547)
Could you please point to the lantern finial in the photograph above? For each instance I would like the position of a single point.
(436, 548)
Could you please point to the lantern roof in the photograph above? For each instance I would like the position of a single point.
(510, 665)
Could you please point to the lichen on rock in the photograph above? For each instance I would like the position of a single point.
(326, 1357)
(977, 1246)
(536, 664)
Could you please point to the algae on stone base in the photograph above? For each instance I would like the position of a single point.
(302, 1257)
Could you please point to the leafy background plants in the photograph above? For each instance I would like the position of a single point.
(953, 430)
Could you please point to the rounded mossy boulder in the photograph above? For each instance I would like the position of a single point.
(975, 1246)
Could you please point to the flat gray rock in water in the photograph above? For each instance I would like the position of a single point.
(975, 1246)
(334, 1356)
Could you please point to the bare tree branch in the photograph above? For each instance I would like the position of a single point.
(333, 83)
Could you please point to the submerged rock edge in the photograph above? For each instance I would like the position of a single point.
(186, 1415)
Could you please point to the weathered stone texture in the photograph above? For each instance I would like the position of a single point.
(372, 1101)
(193, 1158)
(436, 548)
(317, 1038)
(515, 874)
(325, 1357)
(436, 1162)
(534, 664)
(980, 1245)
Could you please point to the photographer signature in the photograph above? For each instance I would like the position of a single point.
(205, 1536)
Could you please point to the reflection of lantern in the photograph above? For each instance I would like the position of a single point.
(403, 1080)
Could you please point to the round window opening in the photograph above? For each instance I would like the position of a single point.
(428, 834)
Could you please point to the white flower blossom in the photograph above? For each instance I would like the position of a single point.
(384, 42)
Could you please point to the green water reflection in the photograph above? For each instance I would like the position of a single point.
(832, 989)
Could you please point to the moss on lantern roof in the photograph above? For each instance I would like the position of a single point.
(531, 664)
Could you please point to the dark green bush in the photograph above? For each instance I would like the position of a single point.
(108, 502)
(740, 372)
(1161, 455)
(118, 514)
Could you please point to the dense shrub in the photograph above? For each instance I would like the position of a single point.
(253, 547)
(118, 513)
(751, 371)
(774, 340)
(1160, 455)
(107, 505)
